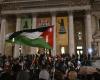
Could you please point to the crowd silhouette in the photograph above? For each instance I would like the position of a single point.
(45, 67)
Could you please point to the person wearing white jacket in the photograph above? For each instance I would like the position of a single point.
(44, 74)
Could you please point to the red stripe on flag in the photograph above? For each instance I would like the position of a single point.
(48, 34)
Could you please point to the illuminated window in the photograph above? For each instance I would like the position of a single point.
(81, 52)
(78, 52)
(79, 35)
(79, 47)
(62, 50)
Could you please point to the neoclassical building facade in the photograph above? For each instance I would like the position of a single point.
(76, 24)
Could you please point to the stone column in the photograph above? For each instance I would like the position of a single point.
(33, 49)
(88, 31)
(94, 24)
(17, 46)
(98, 49)
(2, 37)
(54, 34)
(71, 35)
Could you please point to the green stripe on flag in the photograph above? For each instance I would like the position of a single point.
(38, 42)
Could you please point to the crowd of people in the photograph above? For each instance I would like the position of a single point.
(44, 67)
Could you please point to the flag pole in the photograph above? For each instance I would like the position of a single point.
(54, 55)
(13, 45)
(20, 50)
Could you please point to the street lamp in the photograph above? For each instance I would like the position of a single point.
(90, 50)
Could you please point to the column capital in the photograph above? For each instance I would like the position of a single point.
(3, 16)
(34, 14)
(88, 11)
(18, 15)
(70, 12)
(53, 13)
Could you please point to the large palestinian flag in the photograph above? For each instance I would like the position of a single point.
(30, 37)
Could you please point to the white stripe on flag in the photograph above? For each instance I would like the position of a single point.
(32, 35)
